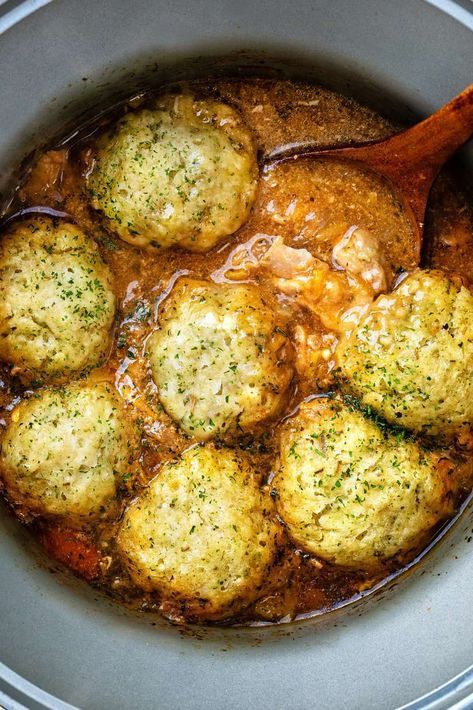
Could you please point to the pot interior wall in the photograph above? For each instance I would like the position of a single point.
(68, 60)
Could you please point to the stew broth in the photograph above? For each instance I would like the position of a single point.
(308, 205)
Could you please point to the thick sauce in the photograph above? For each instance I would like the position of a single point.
(310, 206)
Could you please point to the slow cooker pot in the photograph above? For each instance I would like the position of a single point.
(60, 644)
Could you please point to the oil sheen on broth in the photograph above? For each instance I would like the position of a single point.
(307, 206)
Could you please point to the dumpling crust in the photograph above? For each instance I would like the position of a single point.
(411, 356)
(181, 174)
(220, 360)
(201, 533)
(353, 494)
(66, 450)
(58, 305)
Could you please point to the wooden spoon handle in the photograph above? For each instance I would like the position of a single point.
(420, 151)
(439, 136)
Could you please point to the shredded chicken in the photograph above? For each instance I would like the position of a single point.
(358, 252)
(308, 347)
(45, 180)
(337, 298)
(286, 262)
(314, 355)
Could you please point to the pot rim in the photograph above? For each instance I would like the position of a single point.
(455, 694)
(24, 8)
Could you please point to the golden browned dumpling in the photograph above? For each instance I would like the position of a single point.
(201, 533)
(353, 494)
(411, 356)
(181, 174)
(66, 450)
(219, 359)
(57, 303)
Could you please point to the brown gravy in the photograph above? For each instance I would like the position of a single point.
(309, 206)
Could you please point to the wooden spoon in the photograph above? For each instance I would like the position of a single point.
(409, 160)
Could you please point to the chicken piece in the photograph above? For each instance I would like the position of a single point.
(314, 357)
(343, 301)
(308, 352)
(358, 252)
(337, 298)
(287, 262)
(45, 180)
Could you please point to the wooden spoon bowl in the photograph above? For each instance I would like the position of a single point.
(410, 160)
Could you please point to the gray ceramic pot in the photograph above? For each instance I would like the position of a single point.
(62, 58)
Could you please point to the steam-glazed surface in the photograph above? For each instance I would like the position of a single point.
(182, 173)
(66, 450)
(162, 469)
(220, 359)
(57, 304)
(354, 494)
(411, 356)
(202, 533)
